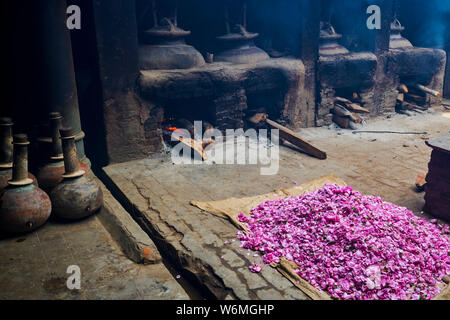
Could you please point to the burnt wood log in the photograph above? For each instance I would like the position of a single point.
(343, 122)
(351, 106)
(427, 90)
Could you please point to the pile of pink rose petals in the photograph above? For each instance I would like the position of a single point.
(350, 245)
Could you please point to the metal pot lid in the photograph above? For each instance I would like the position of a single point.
(327, 32)
(168, 30)
(397, 26)
(240, 34)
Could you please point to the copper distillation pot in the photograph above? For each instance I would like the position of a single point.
(51, 174)
(76, 196)
(397, 41)
(23, 206)
(6, 153)
(237, 45)
(329, 41)
(164, 45)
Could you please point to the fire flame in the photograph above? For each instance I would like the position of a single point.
(175, 129)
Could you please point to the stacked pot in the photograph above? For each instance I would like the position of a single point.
(437, 196)
(68, 192)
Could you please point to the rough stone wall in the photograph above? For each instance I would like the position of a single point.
(377, 78)
(229, 109)
(125, 114)
(438, 80)
(227, 91)
(131, 130)
(325, 104)
(356, 70)
(383, 95)
(309, 53)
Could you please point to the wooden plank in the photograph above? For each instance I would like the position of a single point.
(350, 105)
(196, 146)
(343, 122)
(258, 118)
(289, 135)
(357, 108)
(428, 90)
(409, 97)
(295, 139)
(342, 100)
(403, 88)
(343, 112)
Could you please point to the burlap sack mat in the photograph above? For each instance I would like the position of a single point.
(230, 209)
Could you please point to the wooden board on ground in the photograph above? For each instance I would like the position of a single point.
(288, 135)
(343, 122)
(295, 139)
(357, 108)
(195, 145)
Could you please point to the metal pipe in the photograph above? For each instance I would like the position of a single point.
(244, 15)
(175, 14)
(71, 163)
(155, 14)
(6, 148)
(227, 19)
(20, 159)
(55, 125)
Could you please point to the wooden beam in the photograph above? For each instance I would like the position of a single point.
(424, 89)
(288, 135)
(295, 139)
(343, 122)
(351, 106)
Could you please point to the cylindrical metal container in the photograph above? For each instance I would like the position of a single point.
(6, 147)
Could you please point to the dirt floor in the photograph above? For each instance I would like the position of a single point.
(159, 193)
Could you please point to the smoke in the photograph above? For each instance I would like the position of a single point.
(427, 22)
(349, 19)
(279, 22)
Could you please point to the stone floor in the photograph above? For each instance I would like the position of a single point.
(159, 192)
(34, 266)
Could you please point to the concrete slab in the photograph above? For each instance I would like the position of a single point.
(134, 242)
(34, 266)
